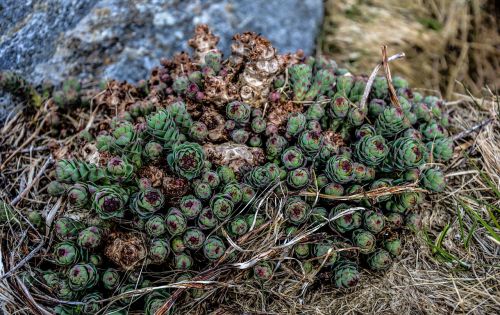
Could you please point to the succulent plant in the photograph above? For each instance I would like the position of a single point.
(211, 178)
(333, 189)
(315, 112)
(371, 150)
(433, 179)
(153, 151)
(275, 146)
(258, 124)
(70, 171)
(162, 127)
(413, 221)
(298, 178)
(393, 246)
(238, 226)
(400, 203)
(373, 221)
(296, 123)
(365, 240)
(321, 250)
(380, 260)
(240, 136)
(90, 237)
(292, 158)
(91, 303)
(187, 160)
(344, 84)
(239, 112)
(66, 228)
(82, 277)
(110, 279)
(55, 188)
(391, 122)
(233, 191)
(323, 79)
(346, 275)
(63, 291)
(177, 245)
(120, 170)
(381, 183)
(432, 130)
(259, 177)
(65, 253)
(198, 131)
(193, 238)
(214, 248)
(338, 107)
(183, 261)
(221, 206)
(394, 220)
(156, 226)
(346, 222)
(109, 202)
(405, 153)
(180, 115)
(254, 221)
(213, 60)
(297, 211)
(207, 219)
(154, 301)
(78, 196)
(301, 250)
(440, 149)
(300, 77)
(158, 251)
(226, 174)
(255, 141)
(190, 206)
(376, 107)
(175, 221)
(319, 215)
(263, 271)
(310, 142)
(339, 169)
(202, 190)
(180, 84)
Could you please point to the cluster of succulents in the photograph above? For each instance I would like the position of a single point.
(321, 159)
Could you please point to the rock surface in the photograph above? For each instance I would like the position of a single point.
(124, 39)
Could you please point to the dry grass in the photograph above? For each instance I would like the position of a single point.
(446, 41)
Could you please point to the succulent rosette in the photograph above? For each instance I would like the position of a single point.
(314, 125)
(187, 160)
(316, 111)
(258, 125)
(198, 131)
(371, 150)
(405, 153)
(190, 206)
(156, 226)
(254, 221)
(119, 169)
(247, 193)
(259, 177)
(263, 271)
(300, 77)
(183, 261)
(162, 127)
(297, 211)
(433, 130)
(238, 112)
(394, 220)
(78, 196)
(321, 250)
(238, 226)
(90, 238)
(158, 251)
(345, 222)
(111, 279)
(364, 240)
(214, 248)
(339, 169)
(65, 253)
(91, 303)
(310, 142)
(413, 221)
(109, 202)
(202, 190)
(82, 277)
(346, 275)
(333, 189)
(221, 206)
(233, 191)
(193, 238)
(393, 246)
(440, 149)
(298, 178)
(66, 228)
(154, 301)
(226, 174)
(153, 151)
(296, 123)
(380, 260)
(124, 134)
(373, 221)
(391, 121)
(275, 145)
(56, 188)
(400, 203)
(433, 179)
(240, 136)
(207, 219)
(63, 290)
(318, 215)
(302, 250)
(338, 107)
(211, 178)
(379, 184)
(180, 115)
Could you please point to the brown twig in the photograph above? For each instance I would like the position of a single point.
(475, 128)
(35, 180)
(387, 71)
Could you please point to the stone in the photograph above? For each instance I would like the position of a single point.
(124, 40)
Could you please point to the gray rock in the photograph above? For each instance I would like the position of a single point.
(124, 39)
